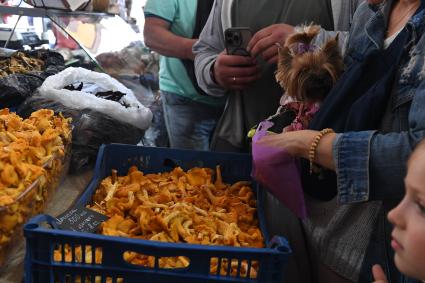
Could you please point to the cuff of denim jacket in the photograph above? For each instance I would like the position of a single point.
(351, 153)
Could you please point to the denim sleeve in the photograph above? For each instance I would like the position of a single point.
(351, 154)
(372, 165)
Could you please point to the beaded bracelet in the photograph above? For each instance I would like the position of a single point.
(314, 144)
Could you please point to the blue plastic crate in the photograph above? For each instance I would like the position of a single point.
(42, 239)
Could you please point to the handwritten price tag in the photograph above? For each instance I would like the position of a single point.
(80, 219)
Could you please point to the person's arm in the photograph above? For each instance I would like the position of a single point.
(160, 39)
(298, 143)
(216, 71)
(370, 165)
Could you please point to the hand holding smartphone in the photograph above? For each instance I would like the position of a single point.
(236, 40)
(239, 70)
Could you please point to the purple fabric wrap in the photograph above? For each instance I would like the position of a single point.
(278, 172)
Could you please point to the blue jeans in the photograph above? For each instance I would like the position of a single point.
(190, 124)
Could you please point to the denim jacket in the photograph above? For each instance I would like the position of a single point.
(371, 165)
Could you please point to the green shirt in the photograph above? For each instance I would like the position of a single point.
(173, 78)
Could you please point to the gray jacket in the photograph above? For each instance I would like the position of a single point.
(211, 41)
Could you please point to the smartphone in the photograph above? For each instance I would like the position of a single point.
(236, 40)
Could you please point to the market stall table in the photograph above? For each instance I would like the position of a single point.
(64, 197)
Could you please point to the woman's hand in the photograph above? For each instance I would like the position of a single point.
(263, 43)
(379, 274)
(235, 72)
(298, 143)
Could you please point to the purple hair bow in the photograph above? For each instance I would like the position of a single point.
(303, 48)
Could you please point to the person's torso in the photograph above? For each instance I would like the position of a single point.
(172, 74)
(262, 13)
(261, 99)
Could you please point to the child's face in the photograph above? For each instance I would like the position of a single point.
(409, 221)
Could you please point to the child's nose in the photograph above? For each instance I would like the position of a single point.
(395, 216)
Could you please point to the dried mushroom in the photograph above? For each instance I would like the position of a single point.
(20, 63)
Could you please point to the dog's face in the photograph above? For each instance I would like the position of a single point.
(307, 73)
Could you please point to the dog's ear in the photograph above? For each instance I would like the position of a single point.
(284, 64)
(331, 48)
(333, 54)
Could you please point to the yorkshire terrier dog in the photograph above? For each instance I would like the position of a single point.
(306, 73)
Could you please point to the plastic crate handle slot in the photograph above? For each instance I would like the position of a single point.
(155, 261)
(170, 163)
(280, 244)
(38, 221)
